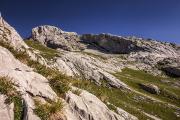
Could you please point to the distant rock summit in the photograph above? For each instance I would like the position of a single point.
(58, 75)
(55, 38)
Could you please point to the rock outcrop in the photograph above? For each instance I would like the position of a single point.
(172, 71)
(110, 43)
(9, 34)
(88, 107)
(171, 66)
(76, 64)
(55, 38)
(23, 76)
(29, 82)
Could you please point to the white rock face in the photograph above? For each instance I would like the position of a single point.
(90, 68)
(88, 107)
(6, 111)
(10, 35)
(27, 81)
(23, 76)
(54, 37)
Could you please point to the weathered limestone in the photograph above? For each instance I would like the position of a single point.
(54, 37)
(88, 107)
(27, 81)
(76, 64)
(6, 111)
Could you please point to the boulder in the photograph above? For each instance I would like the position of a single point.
(55, 38)
(77, 64)
(150, 88)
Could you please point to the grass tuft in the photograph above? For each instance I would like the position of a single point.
(7, 88)
(76, 91)
(45, 111)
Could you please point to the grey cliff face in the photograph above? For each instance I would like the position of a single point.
(110, 43)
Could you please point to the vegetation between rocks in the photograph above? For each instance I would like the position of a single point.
(46, 52)
(76, 91)
(168, 91)
(13, 96)
(58, 81)
(131, 102)
(47, 110)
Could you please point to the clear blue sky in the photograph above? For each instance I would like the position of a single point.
(157, 19)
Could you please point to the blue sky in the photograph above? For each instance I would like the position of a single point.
(157, 19)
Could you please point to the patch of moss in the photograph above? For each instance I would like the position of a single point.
(76, 91)
(46, 52)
